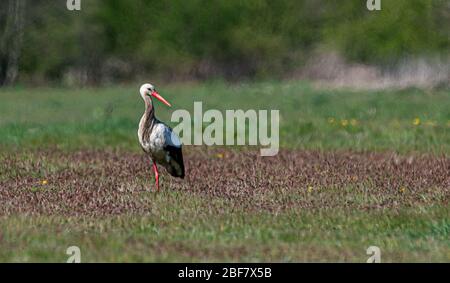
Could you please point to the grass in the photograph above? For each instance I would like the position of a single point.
(181, 233)
(403, 121)
(200, 223)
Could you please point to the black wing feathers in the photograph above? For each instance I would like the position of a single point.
(176, 164)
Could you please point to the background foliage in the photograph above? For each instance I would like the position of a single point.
(119, 40)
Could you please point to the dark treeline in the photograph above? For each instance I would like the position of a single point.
(119, 40)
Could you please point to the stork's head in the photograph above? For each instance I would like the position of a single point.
(148, 90)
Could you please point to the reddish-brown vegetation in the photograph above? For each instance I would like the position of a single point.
(108, 183)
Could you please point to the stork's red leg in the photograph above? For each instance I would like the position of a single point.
(155, 169)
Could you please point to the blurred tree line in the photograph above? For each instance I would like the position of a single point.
(118, 40)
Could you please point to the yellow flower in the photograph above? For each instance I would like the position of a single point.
(416, 122)
(344, 122)
(44, 182)
(353, 122)
(219, 155)
(402, 190)
(310, 189)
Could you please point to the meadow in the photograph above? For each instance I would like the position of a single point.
(355, 169)
(403, 121)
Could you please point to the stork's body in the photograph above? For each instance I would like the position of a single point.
(157, 139)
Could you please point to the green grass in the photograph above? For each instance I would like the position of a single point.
(181, 233)
(310, 118)
(175, 230)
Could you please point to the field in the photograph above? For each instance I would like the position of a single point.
(355, 169)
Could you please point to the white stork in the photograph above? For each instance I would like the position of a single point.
(157, 139)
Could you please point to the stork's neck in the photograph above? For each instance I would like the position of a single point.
(149, 114)
(149, 110)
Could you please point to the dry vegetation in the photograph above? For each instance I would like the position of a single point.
(109, 183)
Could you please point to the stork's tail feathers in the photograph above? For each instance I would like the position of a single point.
(176, 165)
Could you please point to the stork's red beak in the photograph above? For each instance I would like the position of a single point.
(160, 98)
